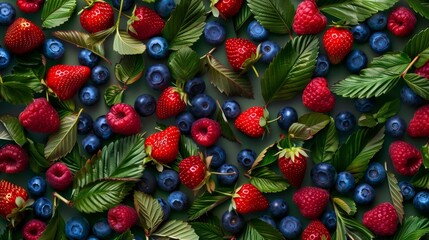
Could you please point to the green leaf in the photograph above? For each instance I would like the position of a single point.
(74, 160)
(308, 125)
(325, 143)
(425, 155)
(187, 147)
(226, 80)
(423, 58)
(38, 162)
(418, 84)
(4, 135)
(226, 129)
(185, 25)
(176, 229)
(149, 211)
(421, 179)
(268, 181)
(129, 69)
(420, 6)
(184, 64)
(346, 204)
(241, 17)
(291, 70)
(14, 128)
(388, 110)
(30, 76)
(205, 203)
(378, 78)
(413, 228)
(257, 229)
(16, 92)
(266, 157)
(125, 44)
(348, 227)
(356, 11)
(395, 195)
(57, 12)
(207, 231)
(113, 94)
(275, 15)
(128, 235)
(55, 228)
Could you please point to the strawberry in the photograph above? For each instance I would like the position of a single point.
(382, 219)
(145, 23)
(163, 146)
(228, 8)
(338, 42)
(292, 163)
(192, 172)
(248, 199)
(311, 201)
(170, 103)
(13, 199)
(317, 96)
(401, 21)
(123, 119)
(316, 231)
(29, 6)
(308, 19)
(66, 80)
(418, 126)
(23, 36)
(37, 114)
(97, 16)
(238, 50)
(406, 158)
(13, 159)
(252, 122)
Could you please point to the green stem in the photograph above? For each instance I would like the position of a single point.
(119, 18)
(63, 199)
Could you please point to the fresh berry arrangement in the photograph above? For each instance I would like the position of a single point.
(221, 119)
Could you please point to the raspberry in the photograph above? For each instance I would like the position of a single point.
(418, 126)
(317, 96)
(423, 71)
(382, 219)
(39, 116)
(59, 176)
(308, 19)
(121, 218)
(33, 229)
(401, 21)
(29, 6)
(406, 158)
(123, 119)
(13, 159)
(205, 131)
(311, 201)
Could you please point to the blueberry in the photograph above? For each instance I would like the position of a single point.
(157, 47)
(361, 32)
(202, 105)
(246, 157)
(164, 7)
(100, 75)
(77, 228)
(7, 14)
(158, 76)
(395, 126)
(178, 200)
(218, 155)
(195, 86)
(91, 143)
(101, 128)
(127, 5)
(409, 97)
(268, 219)
(278, 208)
(364, 194)
(290, 227)
(256, 31)
(345, 121)
(165, 208)
(329, 219)
(4, 58)
(147, 183)
(379, 42)
(168, 180)
(377, 22)
(84, 123)
(42, 208)
(375, 174)
(269, 50)
(53, 48)
(323, 175)
(356, 60)
(92, 237)
(145, 105)
(102, 229)
(421, 202)
(364, 105)
(214, 33)
(407, 190)
(89, 95)
(184, 122)
(322, 66)
(232, 222)
(87, 58)
(288, 116)
(227, 179)
(36, 186)
(231, 108)
(345, 182)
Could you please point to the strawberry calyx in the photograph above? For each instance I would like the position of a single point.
(291, 152)
(214, 9)
(249, 63)
(131, 20)
(90, 4)
(18, 214)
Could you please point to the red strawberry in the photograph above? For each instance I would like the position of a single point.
(23, 36)
(163, 146)
(419, 124)
(238, 50)
(170, 103)
(145, 23)
(423, 71)
(29, 6)
(228, 8)
(192, 172)
(308, 19)
(317, 97)
(311, 201)
(293, 163)
(405, 157)
(205, 131)
(252, 122)
(9, 192)
(338, 42)
(248, 199)
(121, 218)
(316, 231)
(382, 219)
(59, 176)
(33, 229)
(36, 116)
(401, 21)
(13, 159)
(96, 17)
(66, 80)
(123, 119)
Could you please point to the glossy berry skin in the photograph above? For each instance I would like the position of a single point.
(145, 105)
(381, 220)
(123, 119)
(246, 157)
(84, 123)
(164, 7)
(252, 122)
(375, 174)
(356, 61)
(288, 116)
(268, 219)
(418, 127)
(202, 105)
(238, 50)
(329, 219)
(231, 109)
(42, 208)
(290, 227)
(91, 143)
(232, 222)
(421, 202)
(395, 126)
(228, 8)
(66, 80)
(345, 122)
(323, 175)
(256, 31)
(322, 66)
(33, 229)
(4, 58)
(157, 48)
(165, 208)
(380, 42)
(87, 58)
(163, 146)
(338, 42)
(230, 179)
(364, 194)
(59, 176)
(158, 76)
(121, 218)
(406, 158)
(168, 180)
(13, 159)
(147, 183)
(278, 208)
(23, 36)
(205, 131)
(29, 6)
(317, 96)
(308, 19)
(248, 199)
(53, 49)
(377, 22)
(101, 229)
(409, 97)
(178, 201)
(127, 5)
(184, 122)
(407, 190)
(401, 21)
(36, 186)
(89, 95)
(364, 105)
(361, 32)
(218, 155)
(214, 33)
(101, 128)
(269, 50)
(195, 86)
(100, 75)
(97, 17)
(170, 103)
(192, 172)
(37, 113)
(77, 228)
(7, 14)
(345, 182)
(146, 24)
(315, 230)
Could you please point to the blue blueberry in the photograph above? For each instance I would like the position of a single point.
(36, 186)
(290, 227)
(89, 95)
(256, 31)
(214, 33)
(168, 180)
(287, 116)
(91, 143)
(184, 122)
(246, 157)
(218, 155)
(202, 105)
(230, 178)
(377, 22)
(395, 126)
(269, 50)
(100, 75)
(231, 109)
(102, 229)
(329, 219)
(145, 105)
(147, 183)
(278, 208)
(345, 182)
(195, 86)
(87, 58)
(84, 123)
(157, 47)
(158, 76)
(407, 190)
(364, 194)
(77, 228)
(164, 7)
(380, 42)
(101, 128)
(345, 121)
(127, 5)
(232, 222)
(268, 219)
(178, 201)
(92, 237)
(42, 208)
(322, 66)
(4, 58)
(356, 60)
(375, 174)
(53, 49)
(7, 14)
(364, 105)
(409, 97)
(166, 210)
(361, 32)
(421, 201)
(323, 175)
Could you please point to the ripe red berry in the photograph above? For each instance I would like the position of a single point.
(308, 19)
(192, 171)
(97, 17)
(316, 231)
(33, 229)
(311, 201)
(39, 116)
(29, 6)
(123, 119)
(249, 199)
(406, 158)
(121, 218)
(401, 21)
(23, 36)
(59, 176)
(205, 131)
(338, 42)
(228, 8)
(317, 96)
(418, 126)
(382, 219)
(163, 146)
(238, 50)
(145, 23)
(252, 122)
(13, 159)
